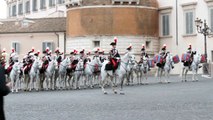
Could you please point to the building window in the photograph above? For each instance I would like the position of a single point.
(212, 56)
(51, 3)
(42, 4)
(148, 44)
(35, 7)
(47, 44)
(27, 7)
(165, 25)
(16, 46)
(189, 22)
(20, 9)
(14, 10)
(96, 43)
(211, 19)
(60, 1)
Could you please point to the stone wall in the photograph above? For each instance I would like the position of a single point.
(132, 21)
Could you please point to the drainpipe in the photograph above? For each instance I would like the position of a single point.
(57, 38)
(177, 22)
(65, 40)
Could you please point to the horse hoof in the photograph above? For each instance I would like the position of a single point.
(105, 92)
(115, 92)
(122, 93)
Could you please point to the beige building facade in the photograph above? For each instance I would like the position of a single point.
(39, 33)
(177, 26)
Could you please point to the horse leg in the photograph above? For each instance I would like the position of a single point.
(31, 83)
(54, 80)
(186, 74)
(132, 77)
(183, 75)
(12, 82)
(196, 78)
(113, 85)
(17, 83)
(146, 81)
(121, 89)
(103, 80)
(166, 76)
(193, 75)
(47, 82)
(68, 77)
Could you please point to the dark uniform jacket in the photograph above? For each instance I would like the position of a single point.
(4, 90)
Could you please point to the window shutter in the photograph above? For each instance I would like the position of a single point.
(211, 19)
(43, 46)
(191, 22)
(17, 48)
(167, 24)
(163, 25)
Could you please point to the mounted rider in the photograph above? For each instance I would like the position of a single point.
(73, 59)
(101, 55)
(114, 57)
(191, 53)
(164, 53)
(12, 55)
(83, 56)
(96, 53)
(144, 55)
(3, 57)
(28, 60)
(88, 56)
(13, 58)
(58, 56)
(46, 59)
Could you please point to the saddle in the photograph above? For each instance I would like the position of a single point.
(112, 65)
(27, 68)
(9, 69)
(96, 68)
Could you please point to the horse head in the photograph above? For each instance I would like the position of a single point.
(196, 58)
(37, 64)
(97, 61)
(17, 67)
(80, 65)
(169, 60)
(127, 57)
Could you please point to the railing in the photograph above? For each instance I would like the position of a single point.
(71, 3)
(125, 2)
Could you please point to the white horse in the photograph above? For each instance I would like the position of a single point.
(14, 76)
(121, 72)
(166, 68)
(143, 69)
(49, 73)
(133, 68)
(34, 73)
(92, 71)
(79, 72)
(62, 73)
(194, 68)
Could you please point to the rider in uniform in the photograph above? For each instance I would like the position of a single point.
(144, 55)
(102, 56)
(3, 57)
(164, 53)
(58, 56)
(73, 59)
(114, 57)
